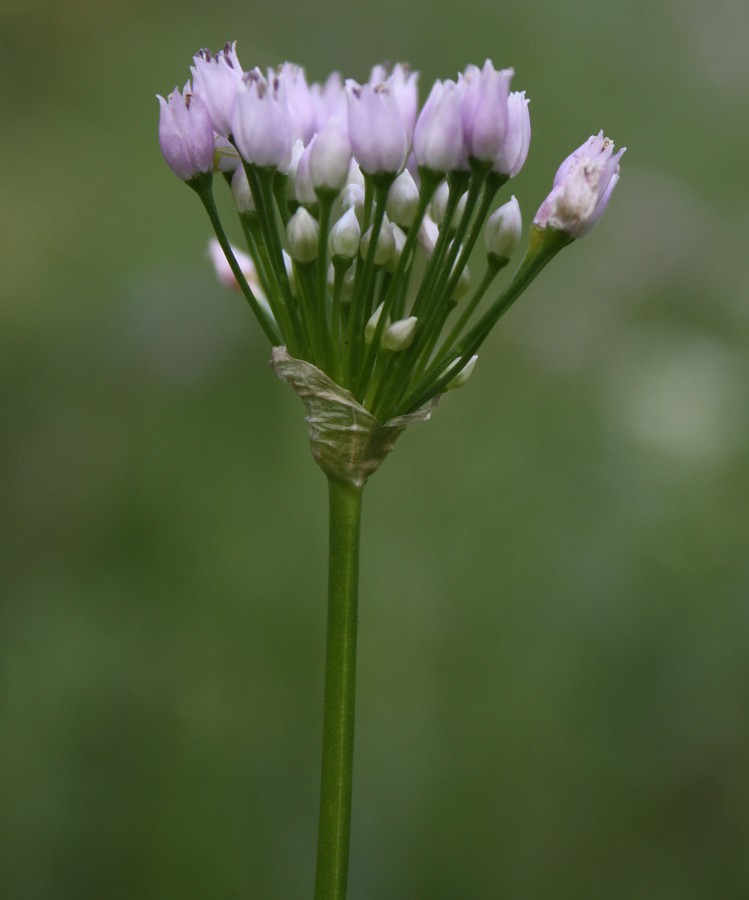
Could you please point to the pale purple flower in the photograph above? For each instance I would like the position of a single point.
(185, 134)
(376, 128)
(329, 100)
(293, 85)
(223, 269)
(216, 77)
(483, 108)
(261, 124)
(403, 84)
(582, 188)
(438, 138)
(514, 151)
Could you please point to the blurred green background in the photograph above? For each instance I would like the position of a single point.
(554, 676)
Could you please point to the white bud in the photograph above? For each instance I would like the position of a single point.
(347, 286)
(241, 192)
(303, 233)
(345, 235)
(465, 373)
(352, 197)
(439, 205)
(303, 185)
(371, 326)
(296, 154)
(403, 200)
(428, 234)
(400, 335)
(503, 229)
(355, 174)
(464, 282)
(400, 242)
(385, 243)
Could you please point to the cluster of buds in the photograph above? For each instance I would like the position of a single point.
(360, 212)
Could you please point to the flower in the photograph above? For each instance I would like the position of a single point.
(185, 134)
(582, 188)
(261, 122)
(376, 128)
(483, 110)
(438, 139)
(216, 77)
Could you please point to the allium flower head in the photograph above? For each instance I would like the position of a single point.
(582, 188)
(361, 213)
(185, 134)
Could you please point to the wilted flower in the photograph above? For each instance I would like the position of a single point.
(582, 188)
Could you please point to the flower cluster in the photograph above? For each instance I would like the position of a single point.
(360, 212)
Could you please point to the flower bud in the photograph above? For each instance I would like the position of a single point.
(438, 138)
(330, 157)
(403, 200)
(371, 326)
(185, 134)
(385, 243)
(439, 205)
(464, 282)
(400, 335)
(240, 189)
(465, 373)
(503, 230)
(428, 235)
(303, 185)
(303, 234)
(345, 236)
(582, 188)
(399, 238)
(352, 197)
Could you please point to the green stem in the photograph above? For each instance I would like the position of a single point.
(340, 685)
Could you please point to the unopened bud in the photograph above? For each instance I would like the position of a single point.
(330, 157)
(403, 200)
(439, 205)
(503, 229)
(352, 197)
(304, 187)
(371, 326)
(345, 235)
(241, 192)
(464, 282)
(400, 242)
(296, 154)
(303, 234)
(465, 373)
(385, 243)
(400, 335)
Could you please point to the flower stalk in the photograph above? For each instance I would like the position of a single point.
(334, 826)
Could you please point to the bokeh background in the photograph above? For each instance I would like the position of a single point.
(554, 661)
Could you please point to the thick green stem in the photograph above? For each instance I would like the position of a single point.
(340, 688)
